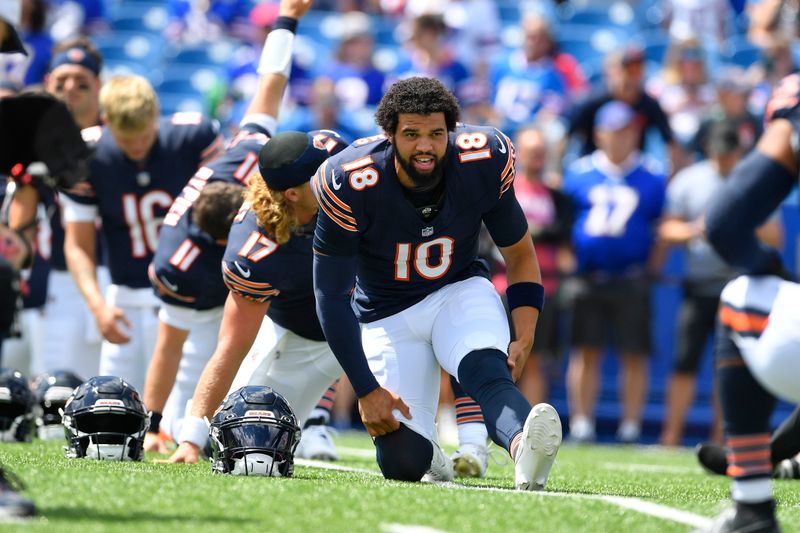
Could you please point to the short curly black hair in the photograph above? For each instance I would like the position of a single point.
(420, 96)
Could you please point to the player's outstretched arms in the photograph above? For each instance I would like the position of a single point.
(275, 63)
(241, 321)
(160, 379)
(376, 411)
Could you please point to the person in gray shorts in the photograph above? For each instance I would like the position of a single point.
(706, 273)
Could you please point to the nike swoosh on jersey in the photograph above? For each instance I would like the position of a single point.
(336, 184)
(243, 271)
(502, 148)
(167, 284)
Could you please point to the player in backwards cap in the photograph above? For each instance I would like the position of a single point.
(267, 267)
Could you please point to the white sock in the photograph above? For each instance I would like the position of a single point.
(472, 433)
(324, 414)
(751, 490)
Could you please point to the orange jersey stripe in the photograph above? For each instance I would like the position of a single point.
(468, 419)
(243, 281)
(323, 204)
(325, 197)
(742, 321)
(163, 289)
(327, 189)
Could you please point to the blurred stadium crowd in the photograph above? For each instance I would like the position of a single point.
(539, 70)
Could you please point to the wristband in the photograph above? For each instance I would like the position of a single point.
(276, 57)
(155, 422)
(285, 23)
(525, 294)
(194, 430)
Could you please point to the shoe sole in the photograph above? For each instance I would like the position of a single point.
(542, 435)
(467, 466)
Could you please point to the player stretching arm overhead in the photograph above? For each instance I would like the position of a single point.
(185, 271)
(267, 267)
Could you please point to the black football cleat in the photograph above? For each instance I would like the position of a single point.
(12, 504)
(747, 518)
(713, 458)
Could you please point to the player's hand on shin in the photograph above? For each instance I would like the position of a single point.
(376, 411)
(294, 8)
(518, 353)
(113, 324)
(187, 452)
(153, 443)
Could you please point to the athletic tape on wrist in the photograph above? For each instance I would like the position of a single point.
(276, 56)
(525, 294)
(194, 430)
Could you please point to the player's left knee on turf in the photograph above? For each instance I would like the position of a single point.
(404, 454)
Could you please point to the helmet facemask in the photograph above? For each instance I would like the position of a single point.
(16, 417)
(105, 420)
(49, 413)
(254, 445)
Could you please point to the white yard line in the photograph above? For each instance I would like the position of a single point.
(626, 502)
(409, 528)
(653, 469)
(357, 452)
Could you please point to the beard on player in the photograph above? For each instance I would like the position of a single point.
(423, 181)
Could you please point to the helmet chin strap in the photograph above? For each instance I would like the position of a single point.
(255, 464)
(107, 452)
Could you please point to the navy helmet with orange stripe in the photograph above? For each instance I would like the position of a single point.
(254, 433)
(290, 158)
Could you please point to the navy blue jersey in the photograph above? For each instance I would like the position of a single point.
(401, 257)
(259, 269)
(185, 268)
(132, 197)
(615, 215)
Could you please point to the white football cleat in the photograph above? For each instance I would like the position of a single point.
(316, 443)
(441, 466)
(541, 437)
(470, 460)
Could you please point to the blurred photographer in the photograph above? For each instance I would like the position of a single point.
(40, 149)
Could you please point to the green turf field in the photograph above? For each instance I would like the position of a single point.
(591, 488)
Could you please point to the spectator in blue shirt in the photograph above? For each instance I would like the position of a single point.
(527, 82)
(428, 55)
(617, 199)
(357, 82)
